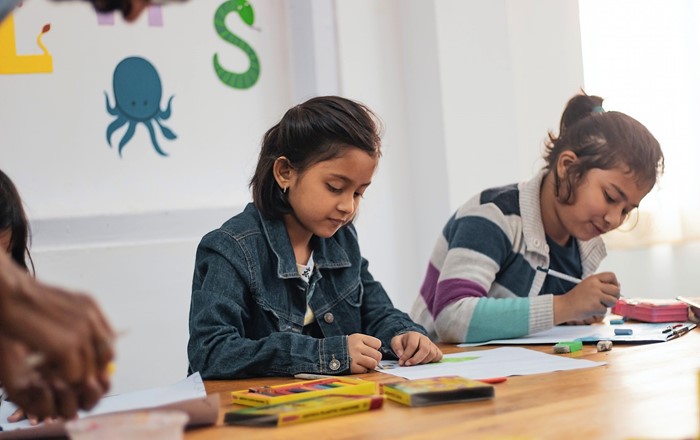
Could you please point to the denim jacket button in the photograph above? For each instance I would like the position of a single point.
(334, 364)
(329, 318)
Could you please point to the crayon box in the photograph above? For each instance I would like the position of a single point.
(304, 410)
(437, 390)
(274, 394)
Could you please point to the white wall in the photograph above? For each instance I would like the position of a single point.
(507, 69)
(143, 290)
(392, 67)
(663, 271)
(466, 90)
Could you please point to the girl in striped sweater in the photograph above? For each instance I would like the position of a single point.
(483, 281)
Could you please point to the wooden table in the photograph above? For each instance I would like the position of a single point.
(645, 391)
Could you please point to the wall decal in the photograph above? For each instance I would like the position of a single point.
(105, 18)
(11, 62)
(247, 79)
(137, 95)
(155, 17)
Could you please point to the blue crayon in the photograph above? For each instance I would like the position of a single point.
(623, 331)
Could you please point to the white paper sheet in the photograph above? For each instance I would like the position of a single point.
(641, 332)
(188, 395)
(484, 364)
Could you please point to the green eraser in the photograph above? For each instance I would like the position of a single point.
(573, 345)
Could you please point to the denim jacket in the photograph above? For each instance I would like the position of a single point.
(248, 302)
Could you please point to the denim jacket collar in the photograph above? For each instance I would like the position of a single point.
(328, 254)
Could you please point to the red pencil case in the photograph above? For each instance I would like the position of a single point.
(652, 310)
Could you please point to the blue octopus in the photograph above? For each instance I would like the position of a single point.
(137, 95)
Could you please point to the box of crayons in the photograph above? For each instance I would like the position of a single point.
(304, 410)
(289, 392)
(437, 390)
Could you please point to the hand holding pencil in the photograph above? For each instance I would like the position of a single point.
(364, 352)
(588, 301)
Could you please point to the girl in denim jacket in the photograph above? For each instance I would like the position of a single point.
(282, 288)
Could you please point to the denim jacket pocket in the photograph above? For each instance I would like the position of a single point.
(340, 313)
(353, 296)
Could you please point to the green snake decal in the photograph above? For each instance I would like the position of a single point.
(247, 79)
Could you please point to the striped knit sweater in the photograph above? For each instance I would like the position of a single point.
(482, 281)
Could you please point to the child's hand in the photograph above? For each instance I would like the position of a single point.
(591, 320)
(19, 415)
(588, 301)
(414, 348)
(364, 353)
(694, 314)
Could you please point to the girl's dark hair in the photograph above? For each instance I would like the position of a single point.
(320, 129)
(14, 220)
(603, 140)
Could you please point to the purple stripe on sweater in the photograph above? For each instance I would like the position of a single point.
(449, 291)
(427, 290)
(437, 296)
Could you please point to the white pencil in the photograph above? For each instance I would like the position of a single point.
(311, 376)
(561, 276)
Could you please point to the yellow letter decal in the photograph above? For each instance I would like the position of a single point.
(10, 62)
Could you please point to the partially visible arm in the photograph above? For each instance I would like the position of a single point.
(219, 350)
(474, 249)
(68, 333)
(29, 389)
(495, 318)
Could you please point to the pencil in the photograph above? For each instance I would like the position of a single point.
(561, 276)
(565, 277)
(311, 376)
(34, 360)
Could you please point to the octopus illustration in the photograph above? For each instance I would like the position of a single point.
(137, 95)
(236, 80)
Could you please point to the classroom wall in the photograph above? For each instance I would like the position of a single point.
(125, 227)
(466, 91)
(450, 78)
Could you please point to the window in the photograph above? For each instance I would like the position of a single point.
(643, 57)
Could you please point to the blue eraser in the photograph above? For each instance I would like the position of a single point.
(617, 321)
(623, 331)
